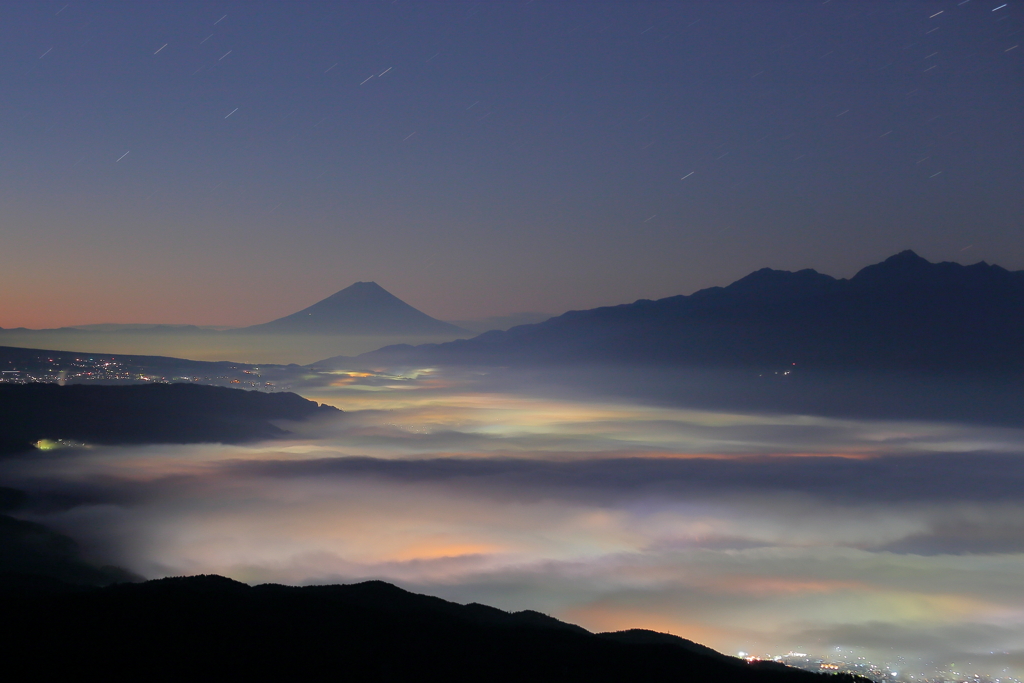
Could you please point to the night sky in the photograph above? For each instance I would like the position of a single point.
(228, 163)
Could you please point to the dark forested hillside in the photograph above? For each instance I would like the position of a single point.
(150, 413)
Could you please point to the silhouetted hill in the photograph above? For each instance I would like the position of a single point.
(902, 314)
(33, 550)
(149, 413)
(212, 628)
(364, 308)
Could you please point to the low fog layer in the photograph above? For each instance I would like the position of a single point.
(743, 530)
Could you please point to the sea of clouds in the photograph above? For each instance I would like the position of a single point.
(755, 531)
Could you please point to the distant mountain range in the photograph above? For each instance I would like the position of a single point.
(147, 328)
(904, 313)
(209, 628)
(500, 322)
(364, 308)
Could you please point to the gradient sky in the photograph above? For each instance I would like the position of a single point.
(231, 162)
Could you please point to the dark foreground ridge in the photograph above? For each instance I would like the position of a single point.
(903, 314)
(150, 413)
(213, 628)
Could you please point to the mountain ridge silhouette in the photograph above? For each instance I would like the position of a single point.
(904, 313)
(209, 627)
